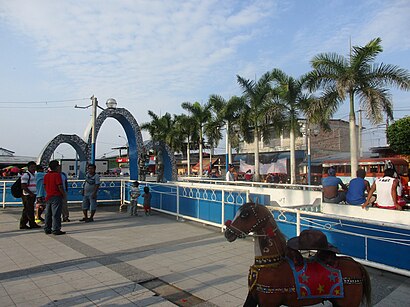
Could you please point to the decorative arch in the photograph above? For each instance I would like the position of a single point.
(170, 165)
(74, 140)
(132, 131)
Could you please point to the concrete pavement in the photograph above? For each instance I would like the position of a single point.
(122, 260)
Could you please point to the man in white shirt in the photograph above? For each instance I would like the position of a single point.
(230, 173)
(386, 188)
(28, 185)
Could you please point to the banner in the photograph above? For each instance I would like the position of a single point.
(276, 167)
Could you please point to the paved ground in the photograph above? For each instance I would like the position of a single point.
(121, 260)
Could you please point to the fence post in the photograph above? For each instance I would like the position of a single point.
(121, 193)
(4, 194)
(223, 210)
(177, 202)
(297, 222)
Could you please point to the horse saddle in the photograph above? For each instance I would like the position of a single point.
(315, 279)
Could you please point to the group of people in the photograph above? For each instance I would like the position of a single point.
(388, 190)
(135, 193)
(47, 192)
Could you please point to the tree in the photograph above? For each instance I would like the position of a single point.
(186, 129)
(293, 100)
(358, 77)
(398, 136)
(226, 114)
(162, 129)
(201, 114)
(254, 121)
(288, 93)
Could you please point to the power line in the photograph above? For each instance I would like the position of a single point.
(48, 107)
(44, 101)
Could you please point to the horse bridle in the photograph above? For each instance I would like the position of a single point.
(243, 234)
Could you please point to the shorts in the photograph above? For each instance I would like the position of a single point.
(40, 203)
(89, 203)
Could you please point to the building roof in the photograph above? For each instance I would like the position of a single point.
(7, 158)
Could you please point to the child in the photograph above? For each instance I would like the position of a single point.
(134, 193)
(41, 194)
(147, 201)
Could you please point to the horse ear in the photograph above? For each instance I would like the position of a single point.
(250, 199)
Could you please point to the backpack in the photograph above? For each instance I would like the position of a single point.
(16, 189)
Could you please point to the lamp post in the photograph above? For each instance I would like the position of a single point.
(126, 144)
(94, 103)
(228, 147)
(308, 131)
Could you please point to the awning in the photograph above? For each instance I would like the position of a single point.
(205, 164)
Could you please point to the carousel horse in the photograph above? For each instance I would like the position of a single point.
(276, 278)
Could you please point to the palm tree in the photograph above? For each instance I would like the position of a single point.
(358, 77)
(186, 129)
(257, 113)
(288, 93)
(293, 100)
(201, 115)
(161, 128)
(226, 113)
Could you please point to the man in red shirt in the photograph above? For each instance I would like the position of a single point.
(55, 193)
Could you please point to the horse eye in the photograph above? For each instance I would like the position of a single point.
(244, 214)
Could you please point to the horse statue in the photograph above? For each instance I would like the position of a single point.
(277, 276)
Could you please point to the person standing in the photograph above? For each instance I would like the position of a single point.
(134, 193)
(40, 193)
(230, 173)
(386, 188)
(147, 201)
(54, 199)
(28, 185)
(91, 185)
(64, 207)
(330, 185)
(357, 187)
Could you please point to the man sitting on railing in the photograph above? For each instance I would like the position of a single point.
(331, 193)
(357, 187)
(386, 188)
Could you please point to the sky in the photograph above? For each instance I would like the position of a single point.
(154, 55)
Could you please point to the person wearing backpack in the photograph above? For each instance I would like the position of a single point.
(28, 185)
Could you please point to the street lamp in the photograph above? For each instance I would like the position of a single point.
(309, 131)
(126, 143)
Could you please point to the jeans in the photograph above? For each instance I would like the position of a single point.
(28, 210)
(52, 221)
(341, 196)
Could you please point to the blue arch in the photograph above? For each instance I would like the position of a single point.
(132, 131)
(170, 168)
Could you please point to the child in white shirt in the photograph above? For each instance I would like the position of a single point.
(134, 193)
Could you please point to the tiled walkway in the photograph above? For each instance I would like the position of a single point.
(121, 260)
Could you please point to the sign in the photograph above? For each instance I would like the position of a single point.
(123, 160)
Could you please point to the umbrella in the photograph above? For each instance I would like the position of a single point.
(11, 168)
(14, 169)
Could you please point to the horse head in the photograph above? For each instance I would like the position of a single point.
(250, 217)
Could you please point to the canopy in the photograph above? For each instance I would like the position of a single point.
(205, 164)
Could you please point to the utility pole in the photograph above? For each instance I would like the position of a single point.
(360, 134)
(228, 149)
(94, 105)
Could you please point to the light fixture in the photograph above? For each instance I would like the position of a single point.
(111, 103)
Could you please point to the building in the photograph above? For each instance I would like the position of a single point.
(323, 143)
(72, 166)
(7, 158)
